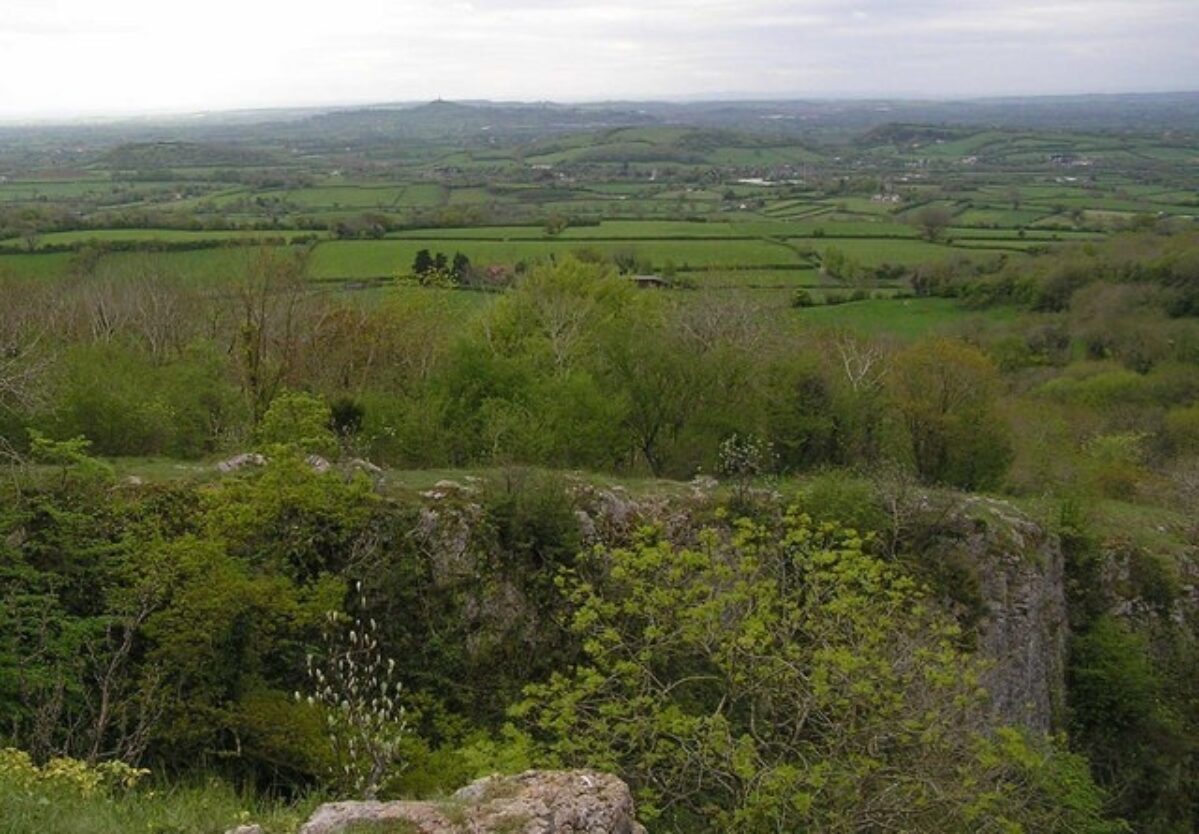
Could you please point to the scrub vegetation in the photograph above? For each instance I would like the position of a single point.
(370, 453)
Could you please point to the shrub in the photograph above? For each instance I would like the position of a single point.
(358, 691)
(345, 416)
(837, 496)
(946, 392)
(1115, 464)
(718, 682)
(802, 298)
(127, 405)
(17, 771)
(298, 420)
(1182, 429)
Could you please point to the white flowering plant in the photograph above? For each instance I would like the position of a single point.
(359, 691)
(743, 457)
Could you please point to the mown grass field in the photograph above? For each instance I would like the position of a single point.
(906, 318)
(363, 259)
(158, 235)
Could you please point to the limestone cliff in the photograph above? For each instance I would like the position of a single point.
(1010, 567)
(1023, 628)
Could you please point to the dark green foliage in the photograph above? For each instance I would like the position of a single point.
(459, 266)
(423, 262)
(195, 635)
(802, 298)
(128, 405)
(534, 521)
(1140, 747)
(837, 496)
(346, 416)
(1129, 686)
(803, 423)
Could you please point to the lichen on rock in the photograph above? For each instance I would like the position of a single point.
(534, 802)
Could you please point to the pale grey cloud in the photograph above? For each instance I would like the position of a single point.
(61, 56)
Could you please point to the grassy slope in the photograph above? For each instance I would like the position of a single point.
(207, 809)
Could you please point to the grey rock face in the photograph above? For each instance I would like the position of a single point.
(1018, 566)
(535, 802)
(1024, 629)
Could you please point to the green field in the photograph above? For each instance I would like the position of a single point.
(153, 235)
(907, 318)
(35, 266)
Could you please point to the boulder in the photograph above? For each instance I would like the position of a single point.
(363, 465)
(241, 461)
(246, 829)
(535, 802)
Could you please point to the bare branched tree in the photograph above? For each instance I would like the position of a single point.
(274, 315)
(864, 362)
(25, 355)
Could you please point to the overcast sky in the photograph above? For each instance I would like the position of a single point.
(66, 57)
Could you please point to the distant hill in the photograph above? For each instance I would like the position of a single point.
(212, 138)
(168, 154)
(443, 119)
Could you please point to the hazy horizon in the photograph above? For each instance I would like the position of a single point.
(62, 59)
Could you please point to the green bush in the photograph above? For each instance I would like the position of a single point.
(1134, 740)
(1182, 429)
(802, 298)
(301, 421)
(946, 393)
(1115, 464)
(839, 497)
(715, 682)
(127, 405)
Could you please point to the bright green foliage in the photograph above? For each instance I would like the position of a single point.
(555, 313)
(1033, 787)
(290, 518)
(18, 772)
(783, 680)
(68, 796)
(69, 456)
(300, 421)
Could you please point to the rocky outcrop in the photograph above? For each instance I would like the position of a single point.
(239, 462)
(1023, 628)
(1010, 567)
(535, 802)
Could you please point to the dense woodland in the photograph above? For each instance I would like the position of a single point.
(703, 534)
